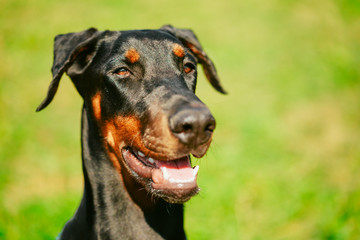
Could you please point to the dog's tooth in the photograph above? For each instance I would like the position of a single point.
(151, 160)
(195, 170)
(141, 154)
(165, 173)
(181, 181)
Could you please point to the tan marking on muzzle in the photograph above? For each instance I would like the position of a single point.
(120, 132)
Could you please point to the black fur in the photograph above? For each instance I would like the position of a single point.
(157, 84)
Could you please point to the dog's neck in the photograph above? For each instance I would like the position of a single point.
(107, 211)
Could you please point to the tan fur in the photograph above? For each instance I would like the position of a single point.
(178, 50)
(96, 104)
(132, 55)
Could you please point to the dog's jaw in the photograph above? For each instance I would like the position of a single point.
(173, 180)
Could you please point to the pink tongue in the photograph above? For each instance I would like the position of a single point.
(176, 171)
(179, 169)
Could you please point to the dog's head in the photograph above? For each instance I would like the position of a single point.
(138, 88)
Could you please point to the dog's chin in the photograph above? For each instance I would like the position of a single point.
(173, 180)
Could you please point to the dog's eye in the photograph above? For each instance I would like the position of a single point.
(188, 68)
(123, 72)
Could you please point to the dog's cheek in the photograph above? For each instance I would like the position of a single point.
(96, 106)
(111, 146)
(110, 139)
(120, 132)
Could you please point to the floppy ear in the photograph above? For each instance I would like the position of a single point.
(188, 38)
(67, 48)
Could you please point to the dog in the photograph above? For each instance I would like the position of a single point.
(141, 121)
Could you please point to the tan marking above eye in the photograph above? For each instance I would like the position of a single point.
(132, 55)
(178, 50)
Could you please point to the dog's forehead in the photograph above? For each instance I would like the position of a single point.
(147, 37)
(133, 44)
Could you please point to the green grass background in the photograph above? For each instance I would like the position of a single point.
(285, 161)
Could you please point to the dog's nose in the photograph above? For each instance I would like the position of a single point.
(192, 126)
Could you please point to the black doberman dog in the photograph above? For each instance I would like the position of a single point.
(140, 122)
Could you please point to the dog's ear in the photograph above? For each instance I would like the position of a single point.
(188, 38)
(67, 49)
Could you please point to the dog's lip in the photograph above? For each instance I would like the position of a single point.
(173, 174)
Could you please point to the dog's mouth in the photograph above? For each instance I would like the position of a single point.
(174, 180)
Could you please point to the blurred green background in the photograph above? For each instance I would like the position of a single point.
(285, 161)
